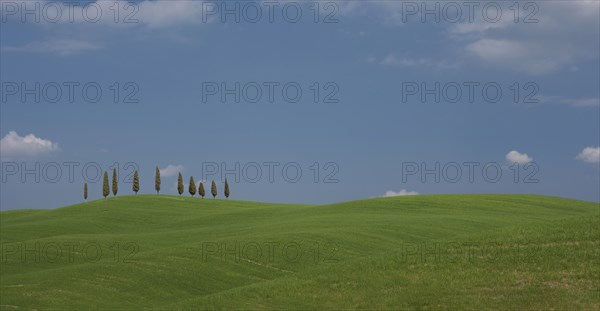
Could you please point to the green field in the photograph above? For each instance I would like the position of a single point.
(412, 252)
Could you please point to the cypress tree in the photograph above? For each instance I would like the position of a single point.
(192, 187)
(226, 192)
(85, 191)
(201, 191)
(213, 189)
(105, 186)
(180, 184)
(157, 180)
(115, 186)
(136, 182)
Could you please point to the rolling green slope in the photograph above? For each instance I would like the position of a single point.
(417, 252)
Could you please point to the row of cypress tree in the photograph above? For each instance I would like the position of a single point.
(136, 185)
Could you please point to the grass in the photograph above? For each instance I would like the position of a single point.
(418, 252)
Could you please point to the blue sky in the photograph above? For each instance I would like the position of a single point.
(362, 56)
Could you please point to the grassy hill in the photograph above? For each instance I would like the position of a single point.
(417, 252)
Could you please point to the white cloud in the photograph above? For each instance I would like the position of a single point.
(13, 145)
(404, 62)
(590, 155)
(565, 35)
(399, 193)
(161, 14)
(517, 157)
(63, 47)
(575, 102)
(478, 27)
(171, 170)
(524, 57)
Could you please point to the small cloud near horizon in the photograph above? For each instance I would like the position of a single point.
(171, 170)
(517, 157)
(402, 192)
(590, 155)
